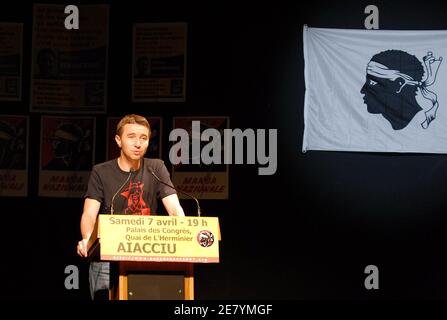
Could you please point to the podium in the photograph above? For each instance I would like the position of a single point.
(154, 256)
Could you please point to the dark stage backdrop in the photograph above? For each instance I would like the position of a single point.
(307, 232)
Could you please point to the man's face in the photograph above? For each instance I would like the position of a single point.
(380, 95)
(48, 65)
(62, 148)
(134, 141)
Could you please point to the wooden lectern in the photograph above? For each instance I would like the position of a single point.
(155, 256)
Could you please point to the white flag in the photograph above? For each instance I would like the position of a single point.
(375, 90)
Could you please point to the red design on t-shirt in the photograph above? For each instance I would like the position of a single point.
(135, 202)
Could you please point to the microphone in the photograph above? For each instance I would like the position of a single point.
(182, 192)
(116, 193)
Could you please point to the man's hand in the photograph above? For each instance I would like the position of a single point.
(82, 247)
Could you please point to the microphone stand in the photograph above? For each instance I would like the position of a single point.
(113, 198)
(182, 192)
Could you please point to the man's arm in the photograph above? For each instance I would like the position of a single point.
(88, 220)
(172, 205)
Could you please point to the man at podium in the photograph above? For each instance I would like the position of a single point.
(125, 185)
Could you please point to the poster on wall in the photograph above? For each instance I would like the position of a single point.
(154, 148)
(192, 175)
(11, 61)
(69, 67)
(159, 62)
(14, 155)
(67, 153)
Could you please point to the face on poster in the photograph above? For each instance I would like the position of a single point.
(67, 143)
(154, 148)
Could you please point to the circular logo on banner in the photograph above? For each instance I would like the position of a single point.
(205, 238)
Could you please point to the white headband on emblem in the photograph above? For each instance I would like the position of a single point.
(379, 70)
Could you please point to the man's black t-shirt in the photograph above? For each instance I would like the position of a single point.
(137, 196)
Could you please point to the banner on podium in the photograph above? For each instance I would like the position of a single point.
(159, 238)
